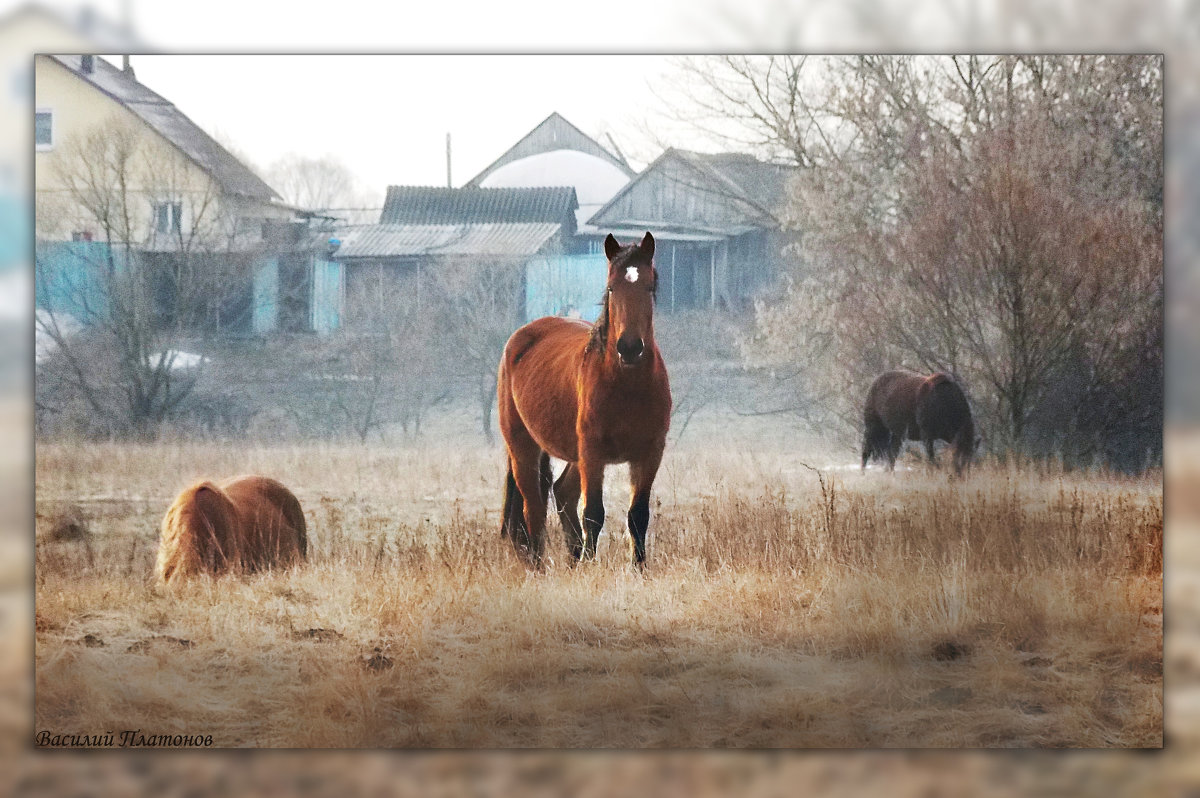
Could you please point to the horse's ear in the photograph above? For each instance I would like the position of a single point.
(611, 247)
(648, 245)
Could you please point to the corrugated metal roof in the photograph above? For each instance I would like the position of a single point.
(423, 240)
(232, 175)
(433, 205)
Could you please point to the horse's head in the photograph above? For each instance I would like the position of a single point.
(632, 282)
(966, 448)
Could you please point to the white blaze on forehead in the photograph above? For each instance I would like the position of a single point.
(631, 274)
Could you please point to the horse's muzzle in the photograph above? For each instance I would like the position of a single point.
(630, 350)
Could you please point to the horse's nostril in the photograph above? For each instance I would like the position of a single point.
(630, 349)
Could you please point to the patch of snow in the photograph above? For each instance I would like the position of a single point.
(177, 361)
(43, 344)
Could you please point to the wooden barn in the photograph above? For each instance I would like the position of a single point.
(716, 218)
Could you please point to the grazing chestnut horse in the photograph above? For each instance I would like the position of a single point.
(592, 395)
(244, 524)
(903, 405)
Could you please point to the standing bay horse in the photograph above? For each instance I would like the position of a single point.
(903, 405)
(592, 395)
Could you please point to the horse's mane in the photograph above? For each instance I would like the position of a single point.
(198, 533)
(598, 338)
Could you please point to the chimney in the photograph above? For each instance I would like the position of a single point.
(87, 64)
(449, 184)
(126, 67)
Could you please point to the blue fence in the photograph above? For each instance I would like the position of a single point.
(265, 308)
(327, 294)
(71, 277)
(570, 285)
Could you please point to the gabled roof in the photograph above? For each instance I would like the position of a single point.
(163, 117)
(758, 181)
(553, 133)
(757, 187)
(522, 239)
(433, 205)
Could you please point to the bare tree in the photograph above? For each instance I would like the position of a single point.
(322, 184)
(155, 267)
(391, 357)
(770, 106)
(1000, 218)
(480, 303)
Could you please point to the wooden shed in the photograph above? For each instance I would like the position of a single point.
(716, 218)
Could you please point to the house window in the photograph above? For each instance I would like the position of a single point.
(168, 217)
(81, 235)
(43, 129)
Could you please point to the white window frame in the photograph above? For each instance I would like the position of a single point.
(174, 217)
(43, 147)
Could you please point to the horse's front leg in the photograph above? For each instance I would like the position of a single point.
(928, 441)
(895, 441)
(566, 498)
(641, 479)
(591, 475)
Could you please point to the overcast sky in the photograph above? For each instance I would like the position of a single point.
(387, 116)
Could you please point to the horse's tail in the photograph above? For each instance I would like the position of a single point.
(512, 498)
(545, 477)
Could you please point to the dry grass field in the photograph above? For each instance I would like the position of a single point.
(781, 607)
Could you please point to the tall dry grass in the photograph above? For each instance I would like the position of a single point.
(781, 607)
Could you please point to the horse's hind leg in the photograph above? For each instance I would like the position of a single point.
(928, 440)
(566, 498)
(528, 472)
(512, 517)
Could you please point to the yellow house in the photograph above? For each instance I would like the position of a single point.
(120, 171)
(115, 161)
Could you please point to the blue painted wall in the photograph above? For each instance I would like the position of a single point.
(570, 285)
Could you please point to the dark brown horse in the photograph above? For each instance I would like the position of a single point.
(592, 395)
(903, 405)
